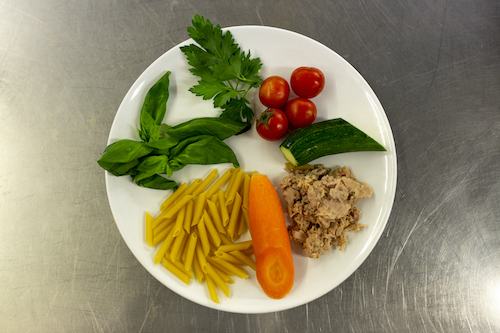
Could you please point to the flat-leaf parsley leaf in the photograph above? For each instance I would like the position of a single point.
(226, 73)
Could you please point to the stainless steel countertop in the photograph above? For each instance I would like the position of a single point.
(65, 67)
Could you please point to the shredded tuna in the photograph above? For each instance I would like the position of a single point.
(321, 204)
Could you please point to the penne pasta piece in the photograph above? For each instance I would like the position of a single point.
(223, 275)
(177, 244)
(216, 219)
(165, 223)
(247, 252)
(180, 266)
(171, 199)
(242, 225)
(225, 240)
(215, 198)
(200, 276)
(199, 206)
(202, 233)
(201, 257)
(218, 281)
(224, 214)
(218, 268)
(191, 248)
(231, 192)
(246, 216)
(176, 271)
(204, 184)
(238, 271)
(229, 258)
(221, 181)
(188, 216)
(246, 190)
(231, 228)
(236, 246)
(165, 246)
(177, 206)
(194, 185)
(162, 235)
(179, 221)
(234, 172)
(149, 229)
(211, 289)
(244, 258)
(212, 231)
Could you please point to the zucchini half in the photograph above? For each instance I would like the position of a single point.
(324, 138)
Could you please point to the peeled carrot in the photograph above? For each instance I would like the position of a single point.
(271, 244)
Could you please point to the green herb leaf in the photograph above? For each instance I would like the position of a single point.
(124, 151)
(157, 182)
(154, 109)
(118, 169)
(237, 110)
(220, 127)
(204, 149)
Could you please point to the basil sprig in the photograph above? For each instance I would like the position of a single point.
(164, 149)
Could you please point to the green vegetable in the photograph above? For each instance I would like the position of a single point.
(326, 138)
(153, 110)
(226, 73)
(220, 127)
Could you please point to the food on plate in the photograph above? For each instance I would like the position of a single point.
(323, 138)
(307, 82)
(198, 232)
(271, 244)
(274, 92)
(321, 204)
(272, 124)
(301, 112)
(226, 73)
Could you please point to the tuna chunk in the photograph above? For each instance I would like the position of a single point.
(321, 204)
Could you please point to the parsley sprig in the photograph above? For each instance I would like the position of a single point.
(226, 73)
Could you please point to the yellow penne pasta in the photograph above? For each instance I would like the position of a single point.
(218, 268)
(215, 198)
(165, 223)
(202, 233)
(243, 257)
(171, 199)
(177, 206)
(236, 246)
(229, 258)
(238, 271)
(246, 216)
(216, 219)
(176, 271)
(188, 216)
(202, 260)
(204, 184)
(179, 221)
(231, 192)
(211, 289)
(149, 229)
(218, 281)
(246, 190)
(233, 219)
(200, 275)
(247, 252)
(165, 246)
(212, 231)
(180, 266)
(242, 225)
(225, 240)
(218, 184)
(199, 206)
(177, 244)
(194, 185)
(157, 239)
(224, 214)
(191, 248)
(234, 173)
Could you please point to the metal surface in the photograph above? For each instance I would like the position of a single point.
(66, 65)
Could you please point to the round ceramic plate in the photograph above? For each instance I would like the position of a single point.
(346, 95)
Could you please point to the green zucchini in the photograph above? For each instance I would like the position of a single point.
(327, 137)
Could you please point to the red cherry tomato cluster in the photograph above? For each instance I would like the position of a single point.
(306, 83)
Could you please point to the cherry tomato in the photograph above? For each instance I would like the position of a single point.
(307, 82)
(272, 124)
(301, 112)
(274, 92)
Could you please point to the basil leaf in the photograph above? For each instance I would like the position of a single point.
(152, 165)
(158, 182)
(222, 128)
(154, 109)
(163, 146)
(124, 151)
(205, 150)
(118, 169)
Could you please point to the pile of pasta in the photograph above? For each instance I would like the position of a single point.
(198, 229)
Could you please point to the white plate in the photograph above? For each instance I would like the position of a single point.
(346, 95)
